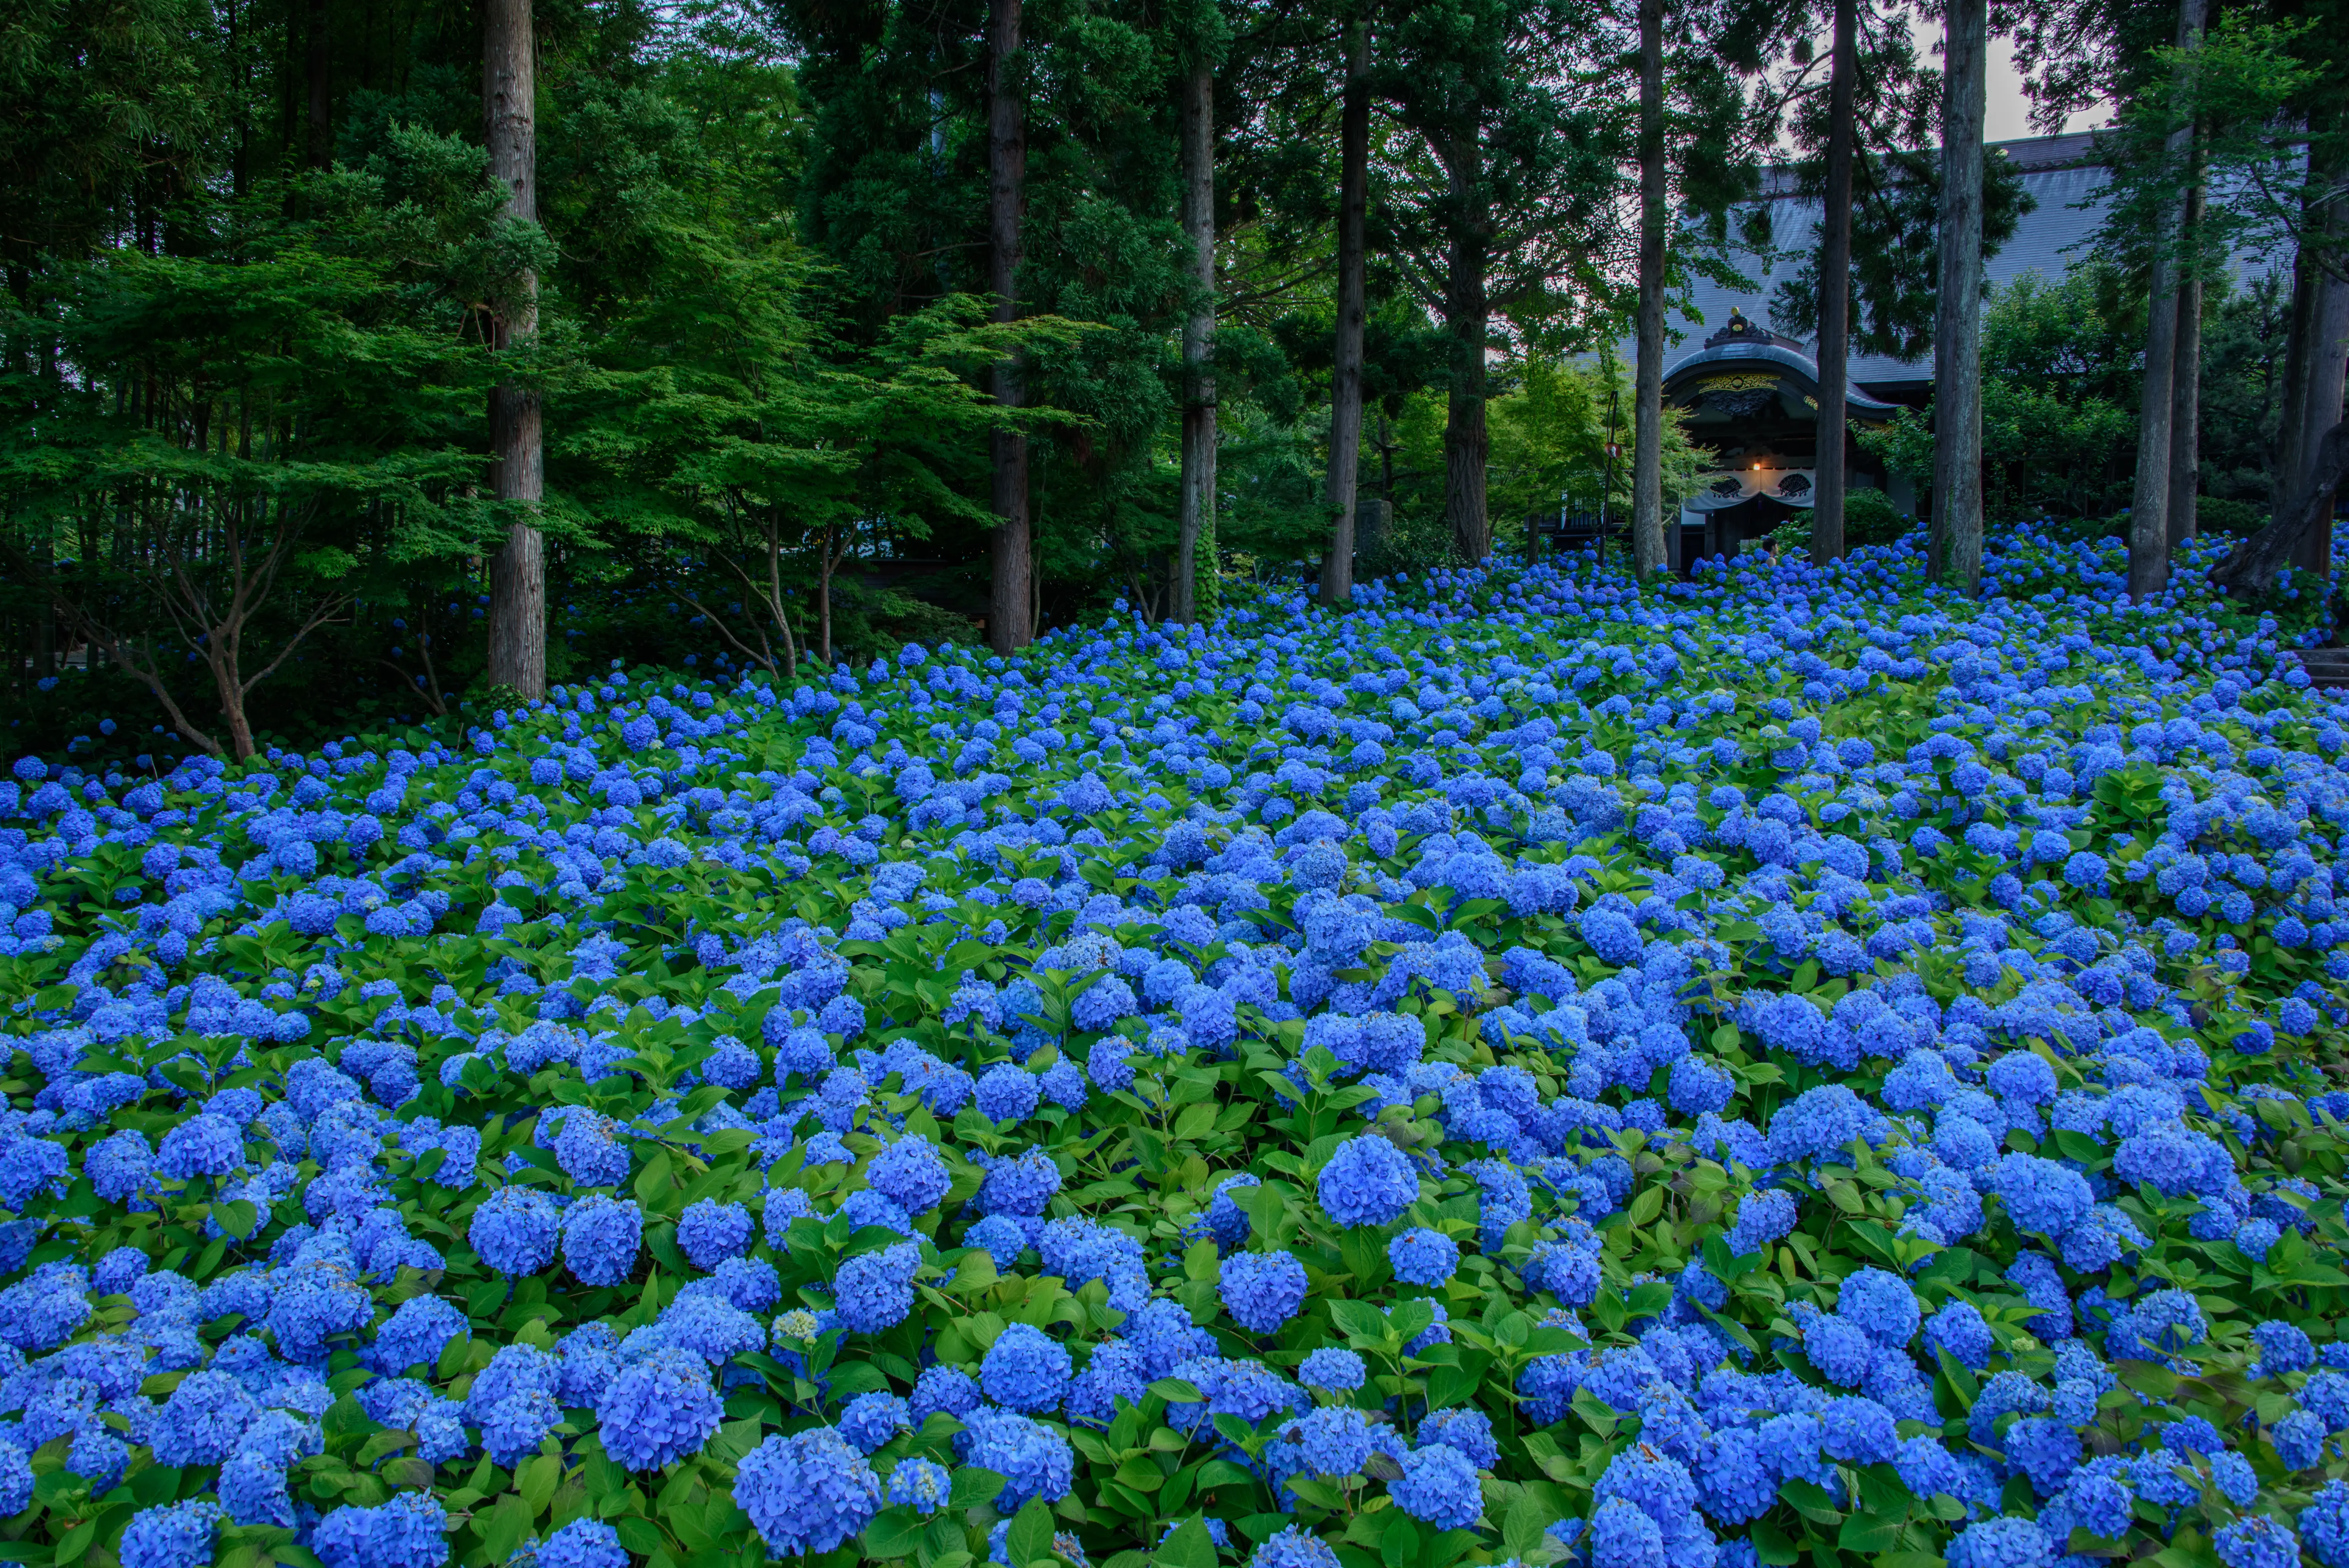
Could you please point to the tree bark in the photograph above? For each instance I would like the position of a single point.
(2253, 564)
(1648, 552)
(1008, 597)
(1834, 294)
(2313, 385)
(1957, 526)
(1467, 440)
(1346, 391)
(45, 617)
(2148, 538)
(823, 599)
(321, 141)
(1194, 549)
(2308, 281)
(2323, 406)
(517, 651)
(2185, 384)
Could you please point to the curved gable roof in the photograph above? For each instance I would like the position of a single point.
(1742, 343)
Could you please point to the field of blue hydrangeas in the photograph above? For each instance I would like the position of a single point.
(1786, 1067)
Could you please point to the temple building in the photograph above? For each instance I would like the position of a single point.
(1752, 394)
(1751, 399)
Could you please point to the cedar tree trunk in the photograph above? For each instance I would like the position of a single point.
(517, 652)
(1008, 600)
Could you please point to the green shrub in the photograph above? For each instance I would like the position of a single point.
(1870, 518)
(2218, 514)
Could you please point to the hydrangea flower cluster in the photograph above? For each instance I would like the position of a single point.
(1528, 1067)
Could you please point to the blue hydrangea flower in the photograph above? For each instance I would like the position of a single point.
(1025, 1369)
(514, 1230)
(171, 1535)
(910, 1174)
(205, 1145)
(1960, 1329)
(601, 1238)
(659, 1410)
(417, 1332)
(1439, 1488)
(1423, 1257)
(1019, 1185)
(869, 1421)
(948, 1390)
(2007, 1542)
(1035, 1460)
(2324, 1524)
(408, 1531)
(582, 1544)
(1007, 1093)
(2257, 1541)
(1762, 1217)
(1879, 1304)
(875, 1291)
(1293, 1546)
(1262, 1290)
(1469, 1431)
(202, 1420)
(806, 1493)
(920, 1484)
(1334, 1441)
(1333, 1369)
(1368, 1181)
(710, 1233)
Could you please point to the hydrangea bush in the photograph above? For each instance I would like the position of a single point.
(1788, 1067)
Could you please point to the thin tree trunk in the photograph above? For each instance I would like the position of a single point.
(1346, 390)
(2186, 383)
(517, 651)
(1648, 555)
(1467, 440)
(2300, 333)
(782, 617)
(2148, 540)
(1956, 528)
(321, 127)
(824, 602)
(45, 620)
(1834, 294)
(2323, 405)
(2149, 535)
(1195, 536)
(1009, 588)
(2312, 388)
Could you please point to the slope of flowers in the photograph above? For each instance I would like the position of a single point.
(1788, 1067)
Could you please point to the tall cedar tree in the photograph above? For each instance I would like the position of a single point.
(1956, 533)
(1507, 178)
(1344, 468)
(2148, 534)
(2264, 172)
(1011, 616)
(517, 437)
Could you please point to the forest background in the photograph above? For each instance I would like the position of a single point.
(266, 282)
